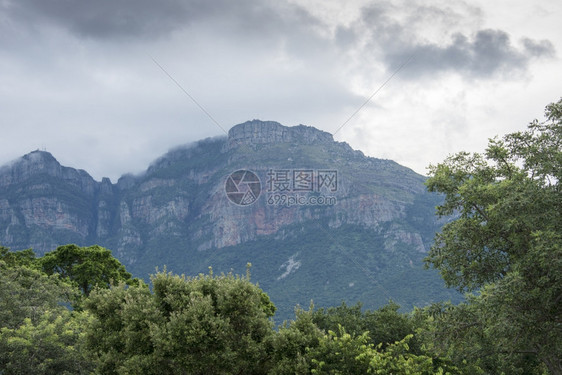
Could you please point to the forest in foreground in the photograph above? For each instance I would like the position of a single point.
(76, 310)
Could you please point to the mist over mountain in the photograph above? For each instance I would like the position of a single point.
(315, 218)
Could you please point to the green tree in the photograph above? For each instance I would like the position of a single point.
(88, 267)
(505, 239)
(385, 325)
(26, 293)
(397, 359)
(301, 347)
(289, 347)
(17, 258)
(460, 335)
(38, 333)
(202, 325)
(52, 345)
(341, 353)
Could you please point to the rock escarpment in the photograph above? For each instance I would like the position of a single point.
(178, 213)
(43, 204)
(267, 132)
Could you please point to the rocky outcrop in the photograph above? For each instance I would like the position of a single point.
(43, 204)
(266, 132)
(41, 163)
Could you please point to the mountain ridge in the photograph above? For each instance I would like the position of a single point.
(177, 213)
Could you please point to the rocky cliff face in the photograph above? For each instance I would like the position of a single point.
(179, 213)
(43, 204)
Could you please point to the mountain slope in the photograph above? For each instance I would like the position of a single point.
(192, 209)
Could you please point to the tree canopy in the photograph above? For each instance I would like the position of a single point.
(88, 266)
(504, 238)
(198, 325)
(38, 332)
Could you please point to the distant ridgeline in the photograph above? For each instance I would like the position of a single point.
(317, 220)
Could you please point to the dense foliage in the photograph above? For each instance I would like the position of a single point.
(505, 242)
(202, 325)
(38, 332)
(88, 267)
(209, 324)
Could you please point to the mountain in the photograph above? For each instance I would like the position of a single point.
(317, 219)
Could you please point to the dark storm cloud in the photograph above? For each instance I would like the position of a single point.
(487, 53)
(392, 30)
(142, 19)
(481, 54)
(106, 18)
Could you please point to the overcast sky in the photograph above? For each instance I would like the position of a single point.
(79, 78)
